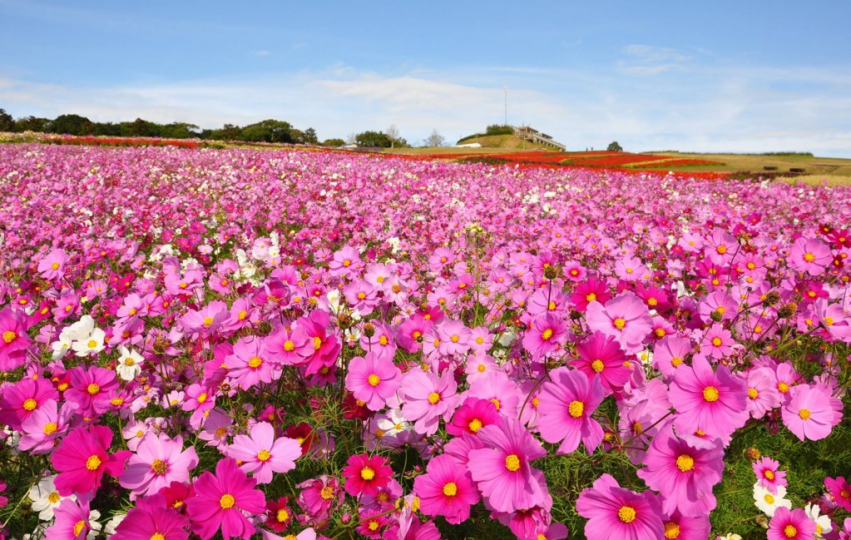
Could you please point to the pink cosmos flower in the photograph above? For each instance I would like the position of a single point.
(365, 475)
(289, 347)
(502, 468)
(427, 398)
(362, 296)
(19, 401)
(207, 321)
(682, 473)
(601, 355)
(717, 343)
(809, 255)
(250, 362)
(260, 453)
(220, 500)
(840, 491)
(721, 247)
(812, 412)
(670, 353)
(346, 262)
(373, 379)
(72, 521)
(590, 290)
(153, 517)
(319, 496)
(680, 527)
(565, 408)
(501, 390)
(547, 334)
(454, 338)
(83, 458)
(158, 461)
(14, 340)
(791, 525)
(52, 266)
(615, 513)
(762, 391)
(45, 426)
(624, 317)
(768, 475)
(712, 403)
(446, 490)
(472, 416)
(90, 389)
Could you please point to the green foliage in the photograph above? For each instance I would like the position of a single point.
(334, 142)
(72, 124)
(7, 123)
(373, 138)
(493, 129)
(614, 147)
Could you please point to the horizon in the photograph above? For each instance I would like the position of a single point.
(761, 77)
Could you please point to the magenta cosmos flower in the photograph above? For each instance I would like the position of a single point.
(220, 500)
(153, 518)
(565, 407)
(72, 521)
(502, 468)
(82, 459)
(366, 475)
(262, 454)
(472, 416)
(158, 461)
(446, 490)
(624, 317)
(53, 265)
(601, 355)
(250, 364)
(615, 513)
(840, 491)
(809, 255)
(683, 474)
(14, 340)
(373, 379)
(768, 475)
(710, 403)
(427, 398)
(791, 525)
(546, 335)
(811, 412)
(717, 342)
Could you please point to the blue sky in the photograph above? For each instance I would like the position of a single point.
(736, 76)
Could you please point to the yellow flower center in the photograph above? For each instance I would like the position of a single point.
(685, 463)
(512, 462)
(373, 525)
(30, 404)
(769, 474)
(317, 343)
(255, 362)
(804, 414)
(159, 466)
(9, 336)
(769, 498)
(789, 530)
(710, 394)
(626, 514)
(93, 463)
(676, 361)
(721, 250)
(157, 536)
(828, 321)
(54, 497)
(716, 341)
(576, 408)
(208, 322)
(347, 263)
(672, 530)
(327, 493)
(374, 380)
(227, 501)
(433, 398)
(547, 334)
(383, 340)
(282, 515)
(264, 455)
(78, 528)
(783, 387)
(809, 257)
(475, 425)
(597, 366)
(93, 389)
(202, 397)
(551, 306)
(496, 403)
(753, 393)
(619, 324)
(289, 346)
(450, 489)
(367, 474)
(50, 428)
(590, 297)
(481, 368)
(92, 344)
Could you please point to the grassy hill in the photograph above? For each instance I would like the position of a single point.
(490, 143)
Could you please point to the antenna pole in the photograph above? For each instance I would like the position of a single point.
(506, 104)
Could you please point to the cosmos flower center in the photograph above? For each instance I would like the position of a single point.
(50, 428)
(317, 343)
(282, 515)
(78, 527)
(157, 536)
(547, 334)
(652, 302)
(619, 324)
(208, 322)
(93, 389)
(685, 463)
(672, 530)
(367, 474)
(433, 398)
(383, 340)
(789, 530)
(221, 432)
(481, 368)
(373, 525)
(92, 344)
(551, 306)
(597, 366)
(327, 493)
(676, 361)
(495, 402)
(159, 466)
(242, 315)
(809, 257)
(590, 297)
(374, 380)
(828, 321)
(30, 404)
(264, 455)
(202, 397)
(512, 462)
(255, 362)
(716, 341)
(93, 463)
(227, 501)
(289, 346)
(804, 414)
(475, 425)
(454, 338)
(721, 250)
(55, 266)
(710, 394)
(450, 489)
(753, 393)
(576, 408)
(9, 336)
(361, 295)
(783, 387)
(769, 498)
(626, 514)
(129, 362)
(769, 474)
(347, 263)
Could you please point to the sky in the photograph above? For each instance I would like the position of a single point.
(743, 76)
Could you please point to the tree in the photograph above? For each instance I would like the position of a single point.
(72, 124)
(435, 139)
(273, 131)
(7, 123)
(373, 138)
(31, 123)
(310, 136)
(393, 134)
(334, 142)
(615, 147)
(351, 138)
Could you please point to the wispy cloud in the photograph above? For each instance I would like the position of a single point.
(650, 60)
(261, 52)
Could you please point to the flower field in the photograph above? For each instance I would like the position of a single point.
(203, 343)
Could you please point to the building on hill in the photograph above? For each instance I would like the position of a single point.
(537, 137)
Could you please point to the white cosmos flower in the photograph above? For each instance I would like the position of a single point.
(91, 345)
(823, 523)
(769, 502)
(129, 364)
(81, 329)
(109, 528)
(46, 498)
(394, 423)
